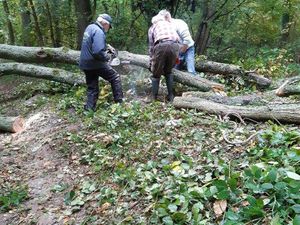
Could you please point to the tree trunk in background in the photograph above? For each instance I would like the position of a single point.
(36, 24)
(25, 18)
(8, 22)
(203, 33)
(57, 30)
(49, 16)
(84, 17)
(285, 23)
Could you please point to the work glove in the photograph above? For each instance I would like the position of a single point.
(111, 50)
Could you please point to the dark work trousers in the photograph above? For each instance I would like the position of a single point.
(92, 81)
(164, 58)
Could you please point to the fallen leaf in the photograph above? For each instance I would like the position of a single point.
(220, 207)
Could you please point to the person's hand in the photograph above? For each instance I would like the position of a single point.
(112, 51)
(183, 48)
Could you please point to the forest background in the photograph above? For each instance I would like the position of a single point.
(223, 30)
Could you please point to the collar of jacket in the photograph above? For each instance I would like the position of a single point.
(99, 25)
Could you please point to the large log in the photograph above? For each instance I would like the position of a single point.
(11, 124)
(288, 88)
(289, 113)
(52, 74)
(64, 55)
(249, 99)
(225, 69)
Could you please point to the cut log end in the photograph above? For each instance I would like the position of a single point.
(18, 125)
(12, 124)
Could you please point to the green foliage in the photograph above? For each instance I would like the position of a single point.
(148, 154)
(12, 198)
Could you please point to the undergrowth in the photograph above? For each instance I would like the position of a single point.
(159, 165)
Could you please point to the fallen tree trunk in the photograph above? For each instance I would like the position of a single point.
(11, 124)
(252, 99)
(287, 88)
(64, 55)
(289, 113)
(225, 69)
(52, 74)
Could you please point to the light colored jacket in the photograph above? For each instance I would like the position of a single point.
(182, 30)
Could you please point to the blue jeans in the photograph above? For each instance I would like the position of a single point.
(187, 58)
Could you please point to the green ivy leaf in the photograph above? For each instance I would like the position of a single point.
(293, 175)
(167, 220)
(267, 186)
(172, 208)
(296, 208)
(296, 220)
(161, 212)
(179, 217)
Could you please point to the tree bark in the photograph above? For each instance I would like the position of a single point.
(11, 124)
(255, 99)
(287, 88)
(25, 18)
(63, 55)
(36, 24)
(52, 74)
(49, 15)
(11, 34)
(225, 69)
(203, 33)
(84, 17)
(289, 113)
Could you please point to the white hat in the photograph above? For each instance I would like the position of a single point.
(157, 18)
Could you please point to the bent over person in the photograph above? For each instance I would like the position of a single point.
(94, 62)
(163, 51)
(187, 49)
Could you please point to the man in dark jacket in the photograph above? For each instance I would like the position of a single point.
(94, 62)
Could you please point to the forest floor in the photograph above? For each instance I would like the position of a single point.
(30, 159)
(135, 163)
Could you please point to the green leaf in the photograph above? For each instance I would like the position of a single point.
(161, 212)
(77, 201)
(172, 208)
(296, 220)
(220, 184)
(296, 208)
(225, 194)
(232, 215)
(232, 182)
(69, 197)
(196, 209)
(280, 186)
(267, 186)
(293, 175)
(275, 220)
(179, 217)
(272, 175)
(167, 220)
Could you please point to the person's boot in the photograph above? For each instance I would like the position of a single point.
(116, 86)
(155, 87)
(169, 82)
(92, 97)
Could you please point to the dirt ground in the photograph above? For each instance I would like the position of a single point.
(31, 159)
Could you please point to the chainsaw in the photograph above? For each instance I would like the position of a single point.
(113, 54)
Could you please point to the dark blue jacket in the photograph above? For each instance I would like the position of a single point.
(93, 47)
